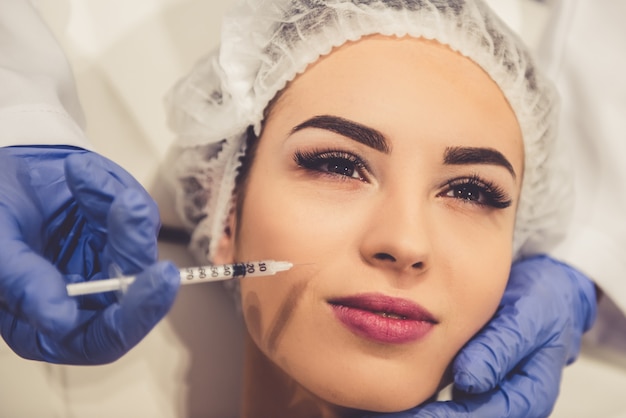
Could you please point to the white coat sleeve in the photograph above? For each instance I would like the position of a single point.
(584, 54)
(38, 100)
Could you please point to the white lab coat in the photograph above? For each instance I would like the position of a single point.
(189, 367)
(584, 54)
(38, 100)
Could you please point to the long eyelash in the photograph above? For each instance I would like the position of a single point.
(494, 195)
(311, 160)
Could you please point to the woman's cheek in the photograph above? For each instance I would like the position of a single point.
(487, 295)
(481, 270)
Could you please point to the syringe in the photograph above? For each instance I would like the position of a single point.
(188, 275)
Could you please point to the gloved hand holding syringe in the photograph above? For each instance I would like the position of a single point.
(188, 275)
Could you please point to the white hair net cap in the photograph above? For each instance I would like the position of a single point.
(266, 43)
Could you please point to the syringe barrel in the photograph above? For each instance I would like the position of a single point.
(235, 270)
(188, 275)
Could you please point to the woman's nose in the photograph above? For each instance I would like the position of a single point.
(398, 237)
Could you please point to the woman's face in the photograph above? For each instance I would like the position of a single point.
(389, 174)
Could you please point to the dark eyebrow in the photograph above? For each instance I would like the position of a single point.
(353, 130)
(471, 155)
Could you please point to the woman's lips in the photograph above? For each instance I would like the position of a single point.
(382, 318)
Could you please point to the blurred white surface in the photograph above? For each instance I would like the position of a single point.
(125, 56)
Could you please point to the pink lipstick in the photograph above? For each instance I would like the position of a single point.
(383, 318)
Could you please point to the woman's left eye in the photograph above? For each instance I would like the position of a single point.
(477, 191)
(333, 163)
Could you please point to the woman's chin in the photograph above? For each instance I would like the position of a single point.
(380, 400)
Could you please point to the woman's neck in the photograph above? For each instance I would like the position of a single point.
(269, 392)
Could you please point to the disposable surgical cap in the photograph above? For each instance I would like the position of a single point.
(266, 43)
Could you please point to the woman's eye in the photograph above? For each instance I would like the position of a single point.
(477, 191)
(465, 192)
(335, 163)
(340, 166)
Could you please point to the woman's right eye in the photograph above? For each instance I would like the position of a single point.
(333, 163)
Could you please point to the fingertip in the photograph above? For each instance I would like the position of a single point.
(133, 204)
(465, 382)
(170, 274)
(80, 165)
(93, 172)
(33, 290)
(153, 291)
(170, 282)
(474, 370)
(88, 181)
(47, 306)
(85, 159)
(63, 312)
(133, 222)
(146, 302)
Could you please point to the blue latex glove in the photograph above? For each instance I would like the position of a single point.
(68, 215)
(513, 367)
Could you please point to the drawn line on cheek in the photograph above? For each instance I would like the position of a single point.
(253, 315)
(284, 315)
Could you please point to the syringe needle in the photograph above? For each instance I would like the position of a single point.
(188, 275)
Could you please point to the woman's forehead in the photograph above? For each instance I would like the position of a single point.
(381, 73)
(405, 87)
(373, 58)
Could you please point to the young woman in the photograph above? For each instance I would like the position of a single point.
(398, 153)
